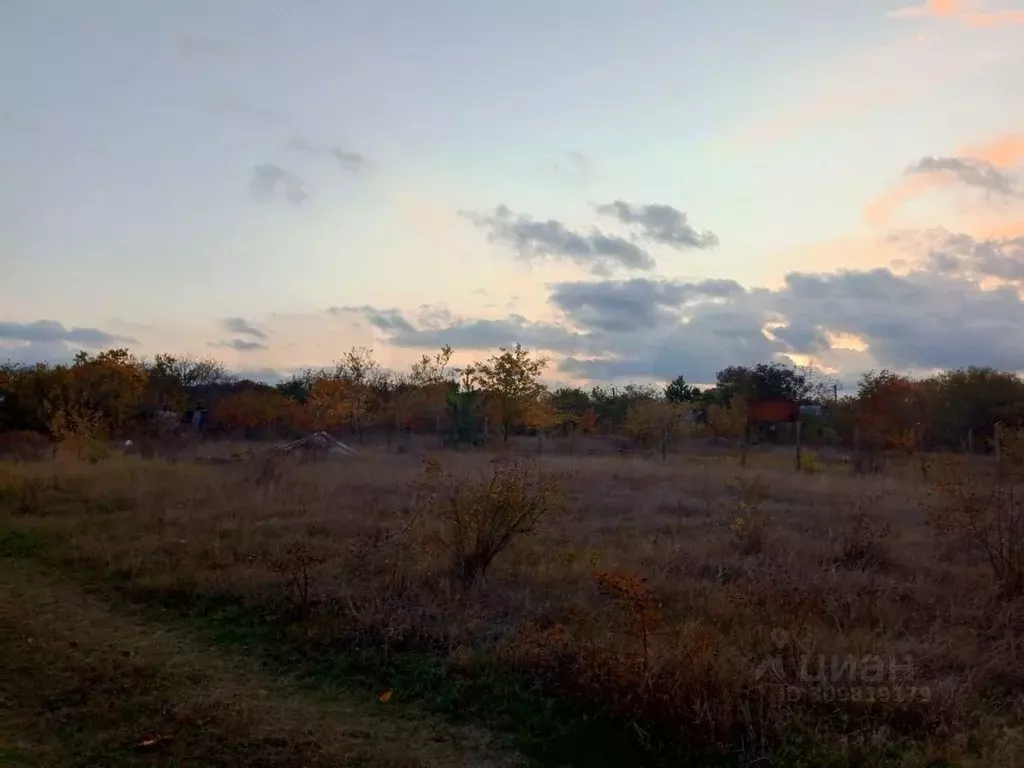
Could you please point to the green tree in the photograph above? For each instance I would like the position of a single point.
(678, 391)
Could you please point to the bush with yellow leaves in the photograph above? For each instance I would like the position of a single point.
(480, 519)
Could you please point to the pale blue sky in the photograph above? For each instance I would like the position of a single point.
(130, 131)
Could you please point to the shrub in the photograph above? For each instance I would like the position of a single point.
(985, 512)
(862, 544)
(749, 524)
(480, 519)
(24, 445)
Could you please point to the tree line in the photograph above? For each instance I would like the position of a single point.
(114, 393)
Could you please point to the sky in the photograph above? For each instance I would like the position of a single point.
(637, 190)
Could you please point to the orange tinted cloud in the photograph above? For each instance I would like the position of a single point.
(957, 9)
(945, 7)
(1004, 151)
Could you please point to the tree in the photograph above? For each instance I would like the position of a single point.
(659, 422)
(360, 373)
(678, 391)
(253, 410)
(764, 381)
(728, 420)
(889, 407)
(509, 380)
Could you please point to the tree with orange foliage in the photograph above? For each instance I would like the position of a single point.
(889, 410)
(255, 409)
(509, 381)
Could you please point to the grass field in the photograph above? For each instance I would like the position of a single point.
(685, 612)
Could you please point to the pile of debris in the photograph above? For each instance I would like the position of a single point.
(317, 443)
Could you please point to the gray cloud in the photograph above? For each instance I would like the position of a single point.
(957, 254)
(268, 178)
(387, 320)
(660, 224)
(49, 331)
(533, 239)
(49, 341)
(935, 316)
(470, 333)
(633, 305)
(350, 161)
(969, 171)
(239, 345)
(242, 326)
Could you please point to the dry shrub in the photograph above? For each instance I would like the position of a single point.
(749, 526)
(296, 560)
(24, 446)
(984, 511)
(863, 542)
(480, 519)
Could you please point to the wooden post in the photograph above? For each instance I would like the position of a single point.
(856, 449)
(970, 441)
(487, 431)
(799, 452)
(919, 447)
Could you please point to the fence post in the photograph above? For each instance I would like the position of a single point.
(922, 455)
(970, 440)
(799, 452)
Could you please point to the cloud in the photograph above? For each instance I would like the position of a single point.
(964, 256)
(49, 331)
(534, 239)
(49, 341)
(242, 326)
(958, 10)
(350, 161)
(267, 178)
(935, 315)
(633, 305)
(388, 320)
(661, 224)
(462, 333)
(982, 166)
(1004, 151)
(972, 172)
(239, 345)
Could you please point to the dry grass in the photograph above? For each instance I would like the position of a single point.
(646, 602)
(87, 686)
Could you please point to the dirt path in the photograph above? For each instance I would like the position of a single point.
(83, 685)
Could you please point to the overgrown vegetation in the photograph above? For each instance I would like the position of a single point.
(710, 607)
(824, 629)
